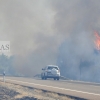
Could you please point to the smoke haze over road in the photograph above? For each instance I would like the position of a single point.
(42, 31)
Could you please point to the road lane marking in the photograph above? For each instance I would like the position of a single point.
(76, 82)
(68, 82)
(84, 83)
(56, 87)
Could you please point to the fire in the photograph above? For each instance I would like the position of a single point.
(97, 41)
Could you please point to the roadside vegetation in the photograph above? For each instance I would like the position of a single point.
(6, 64)
(10, 91)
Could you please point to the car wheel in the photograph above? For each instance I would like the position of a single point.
(58, 78)
(45, 77)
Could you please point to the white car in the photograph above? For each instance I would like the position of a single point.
(51, 71)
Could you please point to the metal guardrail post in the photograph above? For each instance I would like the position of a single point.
(3, 76)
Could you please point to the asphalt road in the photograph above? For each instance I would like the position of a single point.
(72, 88)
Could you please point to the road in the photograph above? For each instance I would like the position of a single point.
(72, 88)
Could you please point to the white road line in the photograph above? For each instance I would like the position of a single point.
(83, 84)
(56, 87)
(77, 82)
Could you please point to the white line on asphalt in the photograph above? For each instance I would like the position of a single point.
(93, 83)
(55, 87)
(83, 84)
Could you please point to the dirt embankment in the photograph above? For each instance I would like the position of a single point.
(10, 91)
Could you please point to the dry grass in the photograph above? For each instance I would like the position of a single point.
(31, 92)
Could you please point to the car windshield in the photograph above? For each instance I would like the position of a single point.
(50, 68)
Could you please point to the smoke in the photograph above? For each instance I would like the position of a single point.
(28, 27)
(77, 20)
(46, 31)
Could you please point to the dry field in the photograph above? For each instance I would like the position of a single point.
(9, 91)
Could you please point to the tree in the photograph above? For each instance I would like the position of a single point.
(6, 64)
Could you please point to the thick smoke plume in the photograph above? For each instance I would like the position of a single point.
(77, 57)
(28, 27)
(52, 32)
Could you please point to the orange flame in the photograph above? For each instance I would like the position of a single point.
(97, 41)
